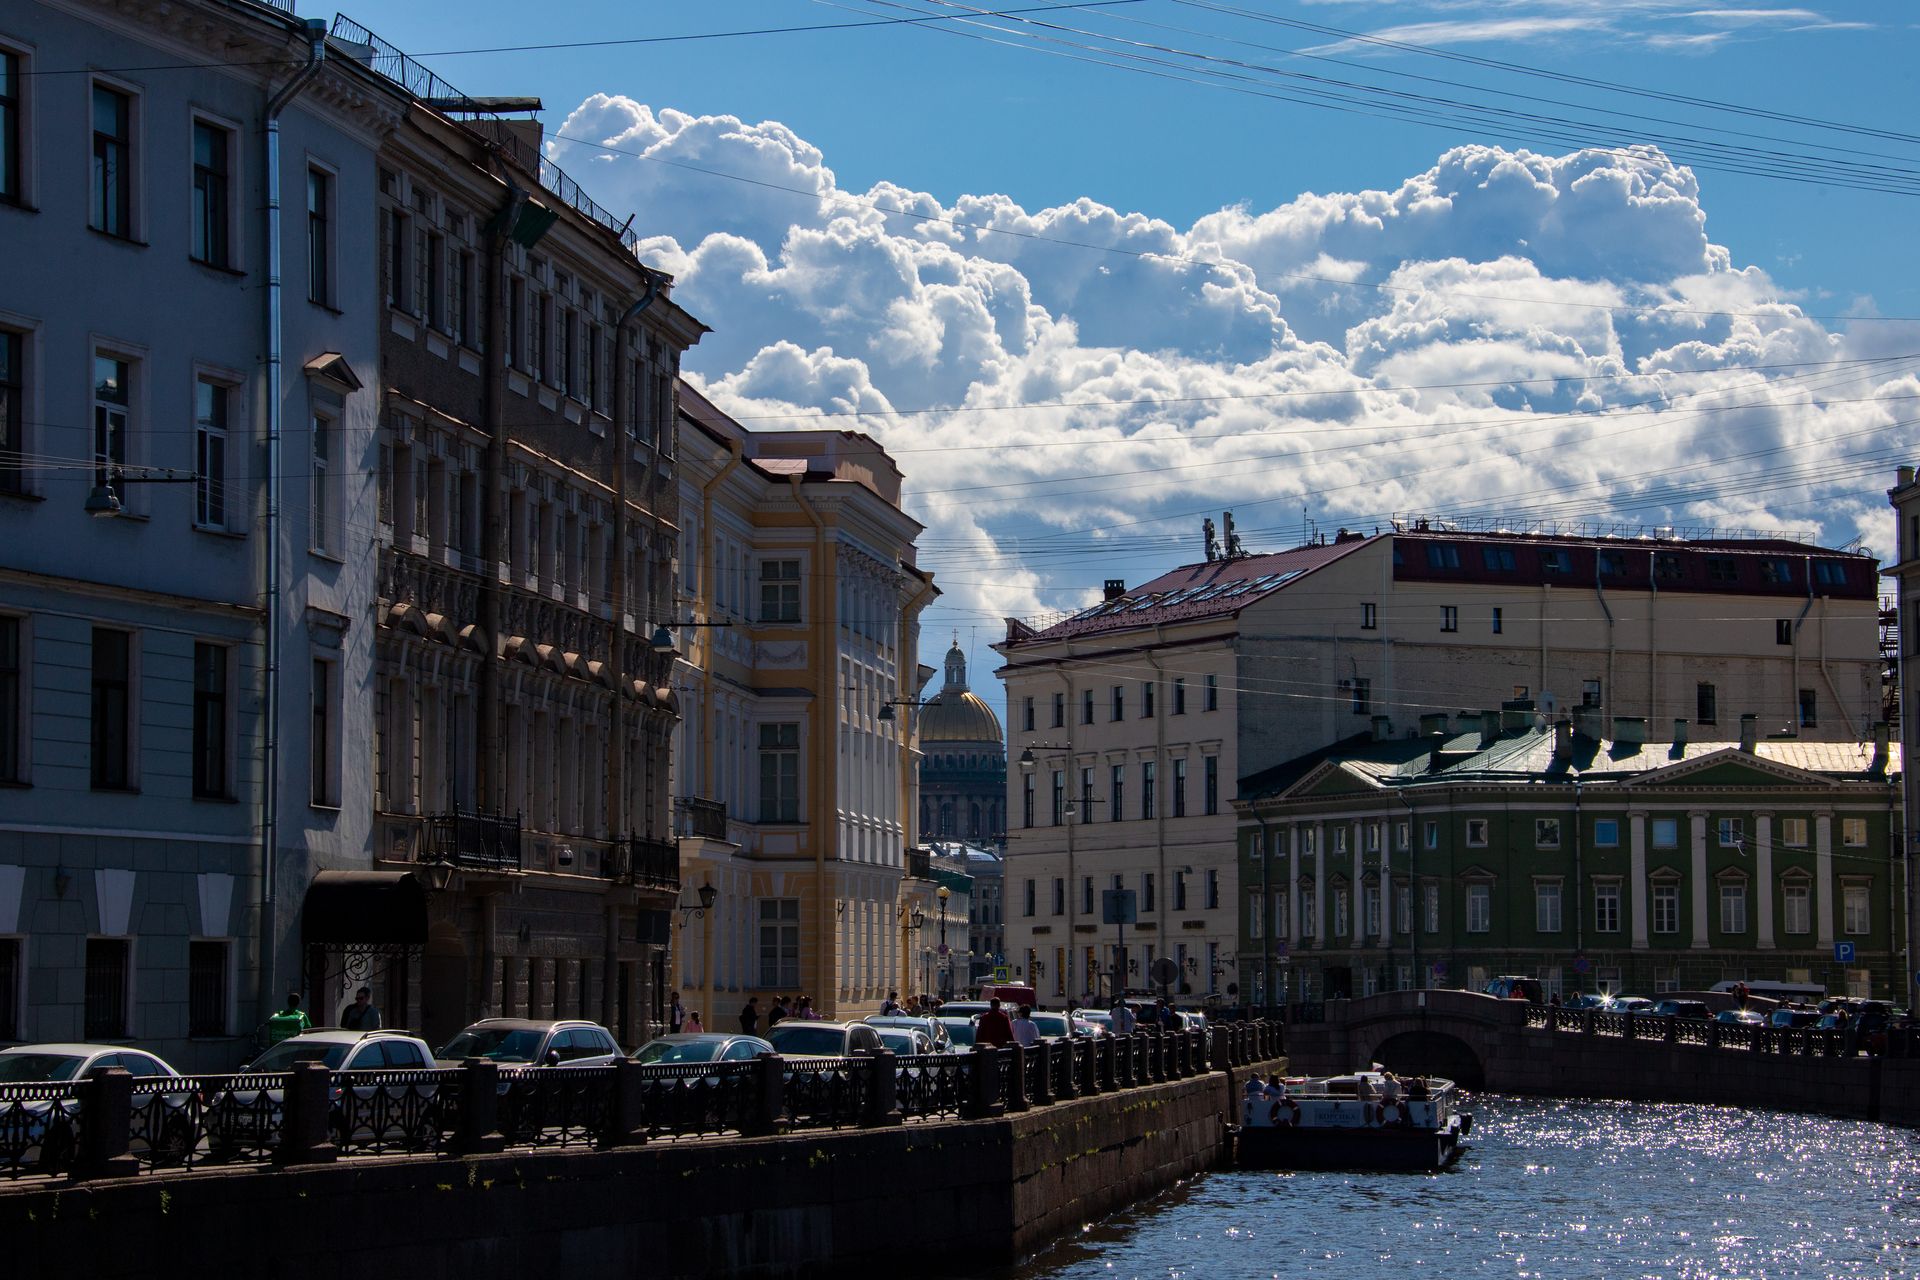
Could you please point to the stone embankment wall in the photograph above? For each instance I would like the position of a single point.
(954, 1196)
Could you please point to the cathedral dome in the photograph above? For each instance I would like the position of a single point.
(956, 713)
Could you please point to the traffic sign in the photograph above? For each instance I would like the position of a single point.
(1843, 953)
(1118, 906)
(1001, 973)
(1164, 971)
(943, 949)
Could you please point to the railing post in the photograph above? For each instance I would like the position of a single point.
(1017, 1078)
(984, 1101)
(1713, 1035)
(1089, 1067)
(480, 1108)
(763, 1112)
(303, 1117)
(881, 1109)
(1043, 1092)
(1626, 1020)
(1671, 1032)
(106, 1125)
(1587, 1022)
(627, 1114)
(1108, 1080)
(1068, 1086)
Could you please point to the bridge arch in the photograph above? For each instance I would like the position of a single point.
(1432, 1053)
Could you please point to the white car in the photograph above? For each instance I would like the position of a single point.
(43, 1129)
(906, 1042)
(242, 1119)
(797, 1038)
(935, 1030)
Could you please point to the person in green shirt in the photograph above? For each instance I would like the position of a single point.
(290, 1021)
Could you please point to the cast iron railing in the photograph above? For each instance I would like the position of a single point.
(653, 864)
(468, 838)
(702, 817)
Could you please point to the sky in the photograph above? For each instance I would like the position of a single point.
(1091, 274)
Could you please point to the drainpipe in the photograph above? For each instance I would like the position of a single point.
(1653, 643)
(270, 532)
(737, 452)
(827, 717)
(490, 780)
(1600, 594)
(1793, 686)
(909, 795)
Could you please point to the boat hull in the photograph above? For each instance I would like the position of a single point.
(1385, 1147)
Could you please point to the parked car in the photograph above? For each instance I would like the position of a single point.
(959, 1031)
(47, 1129)
(1683, 1009)
(1792, 1018)
(970, 1009)
(532, 1041)
(932, 1026)
(1584, 1000)
(1740, 1017)
(813, 1039)
(243, 1118)
(1515, 987)
(1630, 1004)
(701, 1046)
(907, 1042)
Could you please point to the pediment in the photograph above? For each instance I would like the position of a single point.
(1729, 767)
(1334, 778)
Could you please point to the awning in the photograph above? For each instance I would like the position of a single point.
(387, 908)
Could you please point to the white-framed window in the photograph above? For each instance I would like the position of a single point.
(1179, 786)
(780, 942)
(1606, 833)
(1606, 906)
(1853, 832)
(1370, 910)
(1546, 906)
(320, 236)
(1402, 836)
(1449, 617)
(1403, 909)
(1369, 616)
(1546, 833)
(779, 591)
(1339, 911)
(1479, 908)
(1796, 901)
(1666, 908)
(1256, 918)
(1856, 910)
(1606, 978)
(1340, 838)
(1793, 832)
(1212, 702)
(1309, 919)
(1210, 785)
(1371, 832)
(1430, 908)
(1476, 833)
(1666, 833)
(212, 417)
(1431, 834)
(1732, 832)
(323, 487)
(780, 772)
(1733, 908)
(113, 399)
(1309, 839)
(1212, 885)
(212, 227)
(112, 207)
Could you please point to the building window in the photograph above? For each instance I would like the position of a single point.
(1442, 555)
(779, 591)
(1148, 789)
(1666, 567)
(10, 140)
(1026, 801)
(1027, 897)
(1666, 908)
(1430, 834)
(1339, 911)
(780, 772)
(1590, 692)
(1059, 797)
(1546, 833)
(399, 237)
(1449, 617)
(13, 411)
(1732, 833)
(12, 710)
(112, 417)
(1830, 573)
(1606, 908)
(1499, 620)
(1086, 895)
(323, 736)
(212, 147)
(1059, 896)
(109, 965)
(112, 745)
(112, 162)
(1146, 699)
(1255, 919)
(210, 731)
(1119, 703)
(1179, 695)
(1369, 616)
(324, 491)
(1776, 572)
(1783, 630)
(435, 254)
(1403, 910)
(1370, 910)
(1309, 913)
(462, 330)
(1606, 833)
(1213, 694)
(1430, 908)
(1340, 839)
(1666, 833)
(1497, 559)
(1086, 706)
(1797, 899)
(1733, 908)
(1026, 714)
(1855, 910)
(1809, 709)
(1793, 832)
(1476, 833)
(780, 942)
(1546, 907)
(1360, 697)
(1146, 891)
(1706, 704)
(319, 237)
(1180, 786)
(1059, 710)
(1479, 908)
(516, 332)
(1853, 831)
(210, 453)
(1116, 789)
(1210, 785)
(207, 988)
(1556, 561)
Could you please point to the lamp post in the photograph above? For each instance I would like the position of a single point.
(911, 920)
(946, 959)
(707, 895)
(1027, 765)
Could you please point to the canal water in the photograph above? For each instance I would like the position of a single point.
(1561, 1190)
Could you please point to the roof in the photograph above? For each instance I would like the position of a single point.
(956, 713)
(1207, 589)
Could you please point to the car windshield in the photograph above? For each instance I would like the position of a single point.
(22, 1068)
(502, 1044)
(1051, 1024)
(679, 1051)
(284, 1055)
(960, 1033)
(900, 1041)
(826, 1041)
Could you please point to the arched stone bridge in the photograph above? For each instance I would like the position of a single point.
(1509, 1046)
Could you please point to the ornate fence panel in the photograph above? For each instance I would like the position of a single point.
(379, 1111)
(555, 1106)
(928, 1085)
(40, 1127)
(239, 1116)
(688, 1099)
(823, 1093)
(168, 1126)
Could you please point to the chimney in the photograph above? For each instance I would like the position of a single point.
(1489, 728)
(1433, 724)
(1906, 476)
(1679, 734)
(1562, 740)
(1882, 753)
(1382, 728)
(1629, 730)
(1466, 722)
(1586, 722)
(1516, 713)
(1116, 587)
(1749, 732)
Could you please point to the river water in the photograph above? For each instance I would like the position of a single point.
(1561, 1190)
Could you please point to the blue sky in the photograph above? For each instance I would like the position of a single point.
(1529, 329)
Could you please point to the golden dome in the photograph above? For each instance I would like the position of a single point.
(956, 713)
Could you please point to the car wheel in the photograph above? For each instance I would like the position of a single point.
(56, 1148)
(176, 1141)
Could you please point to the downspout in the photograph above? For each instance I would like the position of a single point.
(707, 570)
(1826, 676)
(1799, 619)
(909, 809)
(1600, 594)
(617, 780)
(270, 763)
(816, 818)
(1653, 644)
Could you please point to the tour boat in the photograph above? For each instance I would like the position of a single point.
(1346, 1122)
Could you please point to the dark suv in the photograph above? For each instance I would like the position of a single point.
(532, 1042)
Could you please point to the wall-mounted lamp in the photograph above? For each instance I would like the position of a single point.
(887, 707)
(104, 502)
(662, 641)
(706, 895)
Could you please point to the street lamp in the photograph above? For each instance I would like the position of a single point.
(663, 642)
(706, 895)
(946, 960)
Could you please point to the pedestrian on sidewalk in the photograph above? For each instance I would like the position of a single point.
(750, 1016)
(994, 1028)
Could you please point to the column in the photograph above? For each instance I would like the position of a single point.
(1823, 877)
(1763, 873)
(1697, 837)
(1637, 877)
(1320, 886)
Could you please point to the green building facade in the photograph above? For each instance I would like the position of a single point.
(1614, 865)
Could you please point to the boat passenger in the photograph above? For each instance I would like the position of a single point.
(1417, 1090)
(1389, 1088)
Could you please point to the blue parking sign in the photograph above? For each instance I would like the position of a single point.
(1843, 953)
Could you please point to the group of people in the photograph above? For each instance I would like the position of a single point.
(800, 1007)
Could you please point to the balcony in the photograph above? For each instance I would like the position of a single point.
(467, 838)
(650, 864)
(703, 818)
(919, 864)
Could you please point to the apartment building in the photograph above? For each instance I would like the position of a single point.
(1904, 631)
(525, 533)
(1594, 861)
(1133, 720)
(185, 441)
(799, 602)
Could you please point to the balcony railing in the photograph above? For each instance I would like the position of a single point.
(651, 864)
(704, 818)
(467, 838)
(919, 864)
